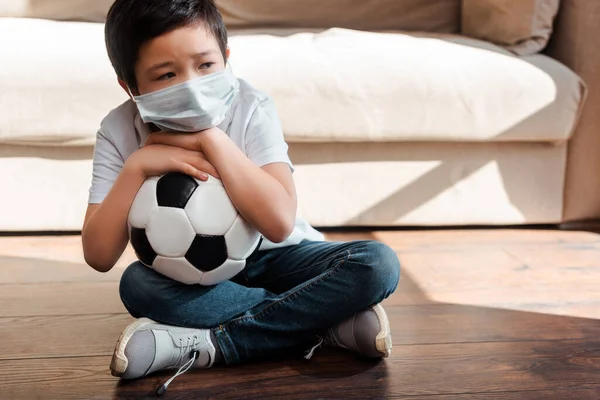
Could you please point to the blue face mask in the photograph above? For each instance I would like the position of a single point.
(190, 106)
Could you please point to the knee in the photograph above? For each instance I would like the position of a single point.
(131, 287)
(381, 268)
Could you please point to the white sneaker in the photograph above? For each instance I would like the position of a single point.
(146, 346)
(366, 333)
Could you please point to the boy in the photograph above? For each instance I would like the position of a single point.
(188, 113)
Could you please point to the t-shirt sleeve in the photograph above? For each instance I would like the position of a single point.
(264, 142)
(106, 167)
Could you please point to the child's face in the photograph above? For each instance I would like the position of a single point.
(177, 56)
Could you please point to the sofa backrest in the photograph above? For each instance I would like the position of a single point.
(71, 10)
(410, 15)
(521, 26)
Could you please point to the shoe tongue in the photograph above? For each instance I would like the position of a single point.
(164, 354)
(180, 337)
(168, 348)
(206, 351)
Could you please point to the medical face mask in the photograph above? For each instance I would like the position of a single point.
(190, 106)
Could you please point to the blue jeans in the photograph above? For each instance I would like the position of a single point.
(278, 303)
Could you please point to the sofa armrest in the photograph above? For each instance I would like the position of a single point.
(576, 43)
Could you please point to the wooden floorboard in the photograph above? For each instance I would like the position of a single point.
(43, 337)
(479, 314)
(567, 394)
(26, 270)
(497, 278)
(52, 336)
(414, 371)
(73, 298)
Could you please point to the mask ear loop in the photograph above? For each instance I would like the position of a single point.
(131, 94)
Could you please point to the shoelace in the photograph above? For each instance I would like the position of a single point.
(328, 340)
(311, 352)
(194, 354)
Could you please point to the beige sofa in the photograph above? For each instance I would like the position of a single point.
(419, 125)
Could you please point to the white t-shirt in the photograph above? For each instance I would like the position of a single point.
(252, 124)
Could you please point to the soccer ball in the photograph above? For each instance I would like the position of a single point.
(189, 230)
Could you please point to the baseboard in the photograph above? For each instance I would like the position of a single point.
(592, 225)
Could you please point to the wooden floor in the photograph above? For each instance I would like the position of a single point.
(478, 315)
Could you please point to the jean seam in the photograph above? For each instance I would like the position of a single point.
(228, 350)
(290, 296)
(328, 259)
(298, 271)
(224, 330)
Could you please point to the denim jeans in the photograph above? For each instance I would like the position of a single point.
(279, 302)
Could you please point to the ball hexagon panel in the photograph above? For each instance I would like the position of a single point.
(142, 247)
(210, 210)
(225, 272)
(178, 269)
(241, 239)
(207, 252)
(169, 232)
(144, 204)
(175, 189)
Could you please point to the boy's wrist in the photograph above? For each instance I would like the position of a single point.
(207, 138)
(133, 168)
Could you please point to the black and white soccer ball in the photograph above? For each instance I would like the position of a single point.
(189, 230)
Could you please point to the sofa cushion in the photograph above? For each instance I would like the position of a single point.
(342, 85)
(74, 10)
(522, 26)
(337, 85)
(411, 15)
(57, 90)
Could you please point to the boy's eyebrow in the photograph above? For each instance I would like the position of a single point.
(204, 53)
(169, 63)
(161, 65)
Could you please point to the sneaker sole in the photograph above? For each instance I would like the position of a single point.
(383, 341)
(119, 362)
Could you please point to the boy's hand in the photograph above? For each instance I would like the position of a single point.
(158, 159)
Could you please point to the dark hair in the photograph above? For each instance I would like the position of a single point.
(131, 23)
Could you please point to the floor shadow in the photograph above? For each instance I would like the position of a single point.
(530, 176)
(415, 194)
(438, 348)
(293, 377)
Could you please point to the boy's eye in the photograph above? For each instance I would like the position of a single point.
(166, 76)
(207, 65)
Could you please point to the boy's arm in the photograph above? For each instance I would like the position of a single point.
(265, 197)
(104, 233)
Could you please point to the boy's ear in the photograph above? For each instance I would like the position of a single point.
(125, 88)
(227, 52)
